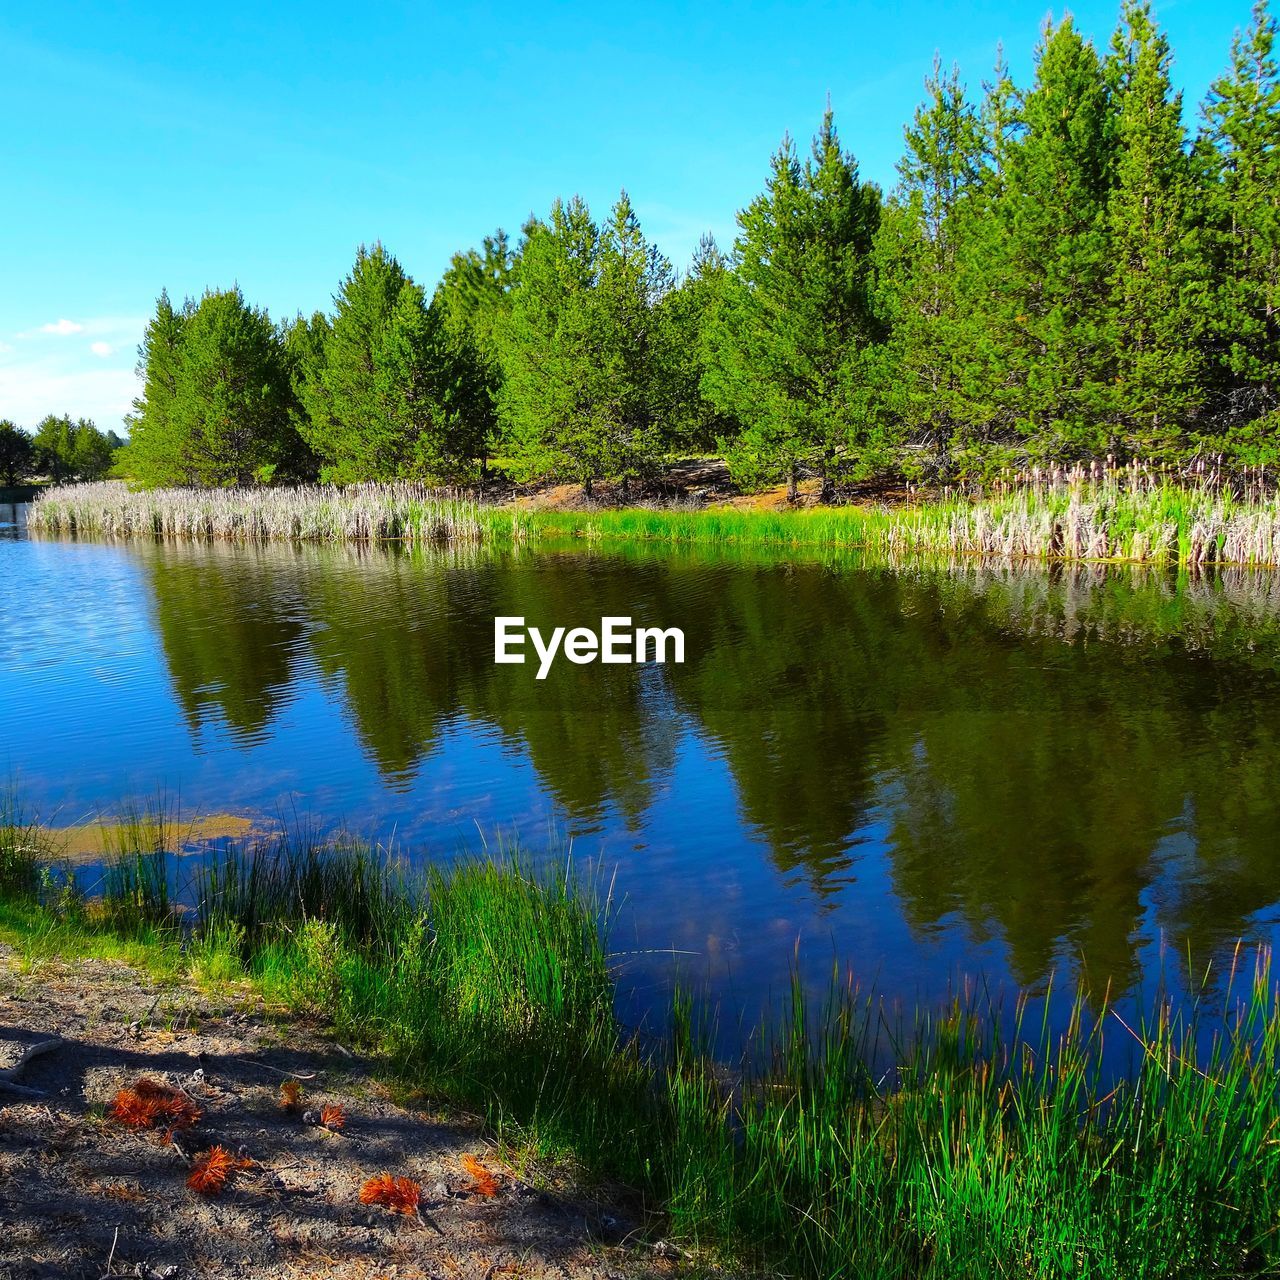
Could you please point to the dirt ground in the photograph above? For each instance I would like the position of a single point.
(83, 1196)
(688, 482)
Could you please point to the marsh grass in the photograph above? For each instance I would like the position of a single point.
(21, 848)
(988, 1146)
(311, 513)
(1143, 520)
(1162, 524)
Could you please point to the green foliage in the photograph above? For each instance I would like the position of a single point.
(66, 450)
(587, 363)
(1056, 277)
(918, 254)
(793, 341)
(686, 314)
(389, 388)
(1157, 280)
(17, 454)
(1043, 370)
(217, 407)
(1238, 157)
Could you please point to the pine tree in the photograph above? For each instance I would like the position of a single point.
(1003, 126)
(387, 392)
(636, 357)
(1157, 289)
(982, 435)
(475, 292)
(303, 343)
(918, 257)
(687, 314)
(230, 417)
(473, 300)
(1238, 155)
(1041, 368)
(71, 450)
(92, 451)
(17, 454)
(789, 344)
(151, 453)
(216, 407)
(551, 393)
(584, 359)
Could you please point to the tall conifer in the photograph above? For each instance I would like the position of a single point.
(1155, 283)
(918, 253)
(1239, 159)
(1043, 370)
(789, 345)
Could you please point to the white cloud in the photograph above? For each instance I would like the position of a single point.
(63, 328)
(29, 391)
(90, 378)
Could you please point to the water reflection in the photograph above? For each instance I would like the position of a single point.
(928, 769)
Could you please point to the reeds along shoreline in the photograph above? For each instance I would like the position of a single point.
(986, 1152)
(1159, 523)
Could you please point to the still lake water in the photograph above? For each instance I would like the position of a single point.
(921, 774)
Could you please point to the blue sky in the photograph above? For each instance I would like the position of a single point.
(260, 144)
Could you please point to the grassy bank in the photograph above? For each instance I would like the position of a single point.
(980, 1155)
(1161, 523)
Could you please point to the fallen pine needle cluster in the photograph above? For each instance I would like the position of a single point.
(147, 1105)
(213, 1169)
(483, 1180)
(400, 1195)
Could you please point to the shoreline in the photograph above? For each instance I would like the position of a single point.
(490, 986)
(1164, 526)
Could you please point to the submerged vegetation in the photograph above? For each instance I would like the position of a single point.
(985, 1149)
(1114, 519)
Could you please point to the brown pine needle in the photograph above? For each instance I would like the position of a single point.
(485, 1183)
(211, 1170)
(290, 1095)
(333, 1117)
(147, 1103)
(400, 1195)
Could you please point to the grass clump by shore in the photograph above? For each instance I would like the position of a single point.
(981, 1152)
(1146, 522)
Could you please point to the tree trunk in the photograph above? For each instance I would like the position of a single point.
(586, 488)
(792, 491)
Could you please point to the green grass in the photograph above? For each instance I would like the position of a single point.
(1141, 520)
(980, 1153)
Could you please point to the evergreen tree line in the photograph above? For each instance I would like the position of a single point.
(1063, 272)
(59, 449)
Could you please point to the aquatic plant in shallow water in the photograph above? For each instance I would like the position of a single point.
(1145, 522)
(315, 513)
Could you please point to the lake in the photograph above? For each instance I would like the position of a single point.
(921, 774)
